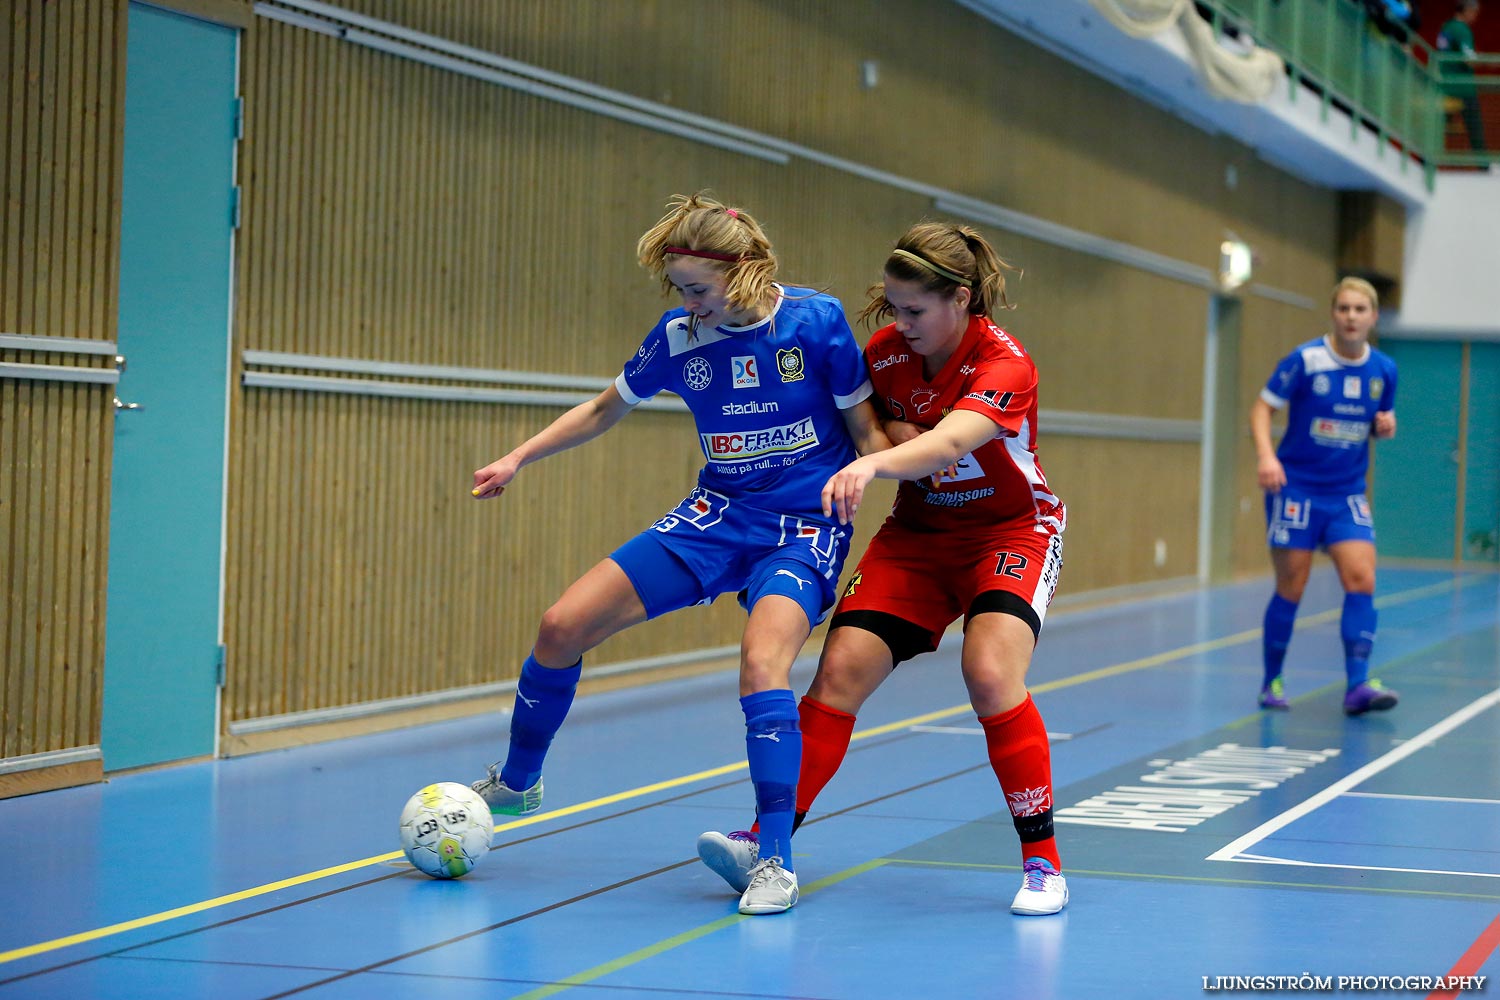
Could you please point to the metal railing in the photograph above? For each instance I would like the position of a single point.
(1414, 99)
(1471, 110)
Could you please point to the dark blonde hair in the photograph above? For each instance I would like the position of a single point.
(942, 257)
(699, 222)
(1359, 285)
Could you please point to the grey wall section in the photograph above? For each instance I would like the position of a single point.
(401, 212)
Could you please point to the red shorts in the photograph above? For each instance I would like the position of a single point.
(932, 579)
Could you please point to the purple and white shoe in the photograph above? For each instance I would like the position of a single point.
(731, 857)
(1371, 696)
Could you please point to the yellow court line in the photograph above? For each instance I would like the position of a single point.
(687, 779)
(687, 936)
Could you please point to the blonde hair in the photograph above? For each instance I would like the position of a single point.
(933, 255)
(701, 223)
(1359, 285)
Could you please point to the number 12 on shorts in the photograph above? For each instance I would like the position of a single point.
(1010, 564)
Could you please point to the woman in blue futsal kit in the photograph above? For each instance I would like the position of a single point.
(778, 390)
(1338, 392)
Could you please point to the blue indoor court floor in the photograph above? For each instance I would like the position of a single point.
(1201, 837)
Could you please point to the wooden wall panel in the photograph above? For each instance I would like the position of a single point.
(398, 212)
(1123, 498)
(52, 536)
(61, 101)
(60, 104)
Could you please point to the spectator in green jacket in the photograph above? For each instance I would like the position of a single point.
(1455, 45)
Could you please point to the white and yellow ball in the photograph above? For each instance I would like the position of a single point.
(446, 829)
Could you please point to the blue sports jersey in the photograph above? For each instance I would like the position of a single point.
(1332, 403)
(766, 397)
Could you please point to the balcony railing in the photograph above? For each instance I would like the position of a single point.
(1423, 106)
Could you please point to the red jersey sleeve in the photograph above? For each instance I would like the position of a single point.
(1003, 389)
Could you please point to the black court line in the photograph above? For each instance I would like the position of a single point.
(429, 977)
(408, 872)
(124, 952)
(374, 966)
(405, 872)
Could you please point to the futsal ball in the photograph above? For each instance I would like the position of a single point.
(446, 829)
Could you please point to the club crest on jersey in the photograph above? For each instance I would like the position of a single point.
(1321, 385)
(789, 363)
(697, 373)
(922, 399)
(854, 582)
(1377, 386)
(746, 374)
(1351, 387)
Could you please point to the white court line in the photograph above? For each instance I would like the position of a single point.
(973, 731)
(1262, 859)
(1231, 851)
(1419, 798)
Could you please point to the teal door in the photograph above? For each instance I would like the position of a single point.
(167, 485)
(1414, 487)
(1482, 473)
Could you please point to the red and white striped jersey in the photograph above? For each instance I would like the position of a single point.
(1000, 483)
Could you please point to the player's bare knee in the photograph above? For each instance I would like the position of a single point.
(843, 682)
(560, 638)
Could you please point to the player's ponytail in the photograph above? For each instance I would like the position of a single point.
(989, 289)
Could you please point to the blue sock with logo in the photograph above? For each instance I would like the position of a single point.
(1276, 635)
(773, 742)
(1357, 626)
(543, 697)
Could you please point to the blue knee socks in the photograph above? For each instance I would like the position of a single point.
(543, 697)
(1357, 626)
(773, 742)
(1276, 635)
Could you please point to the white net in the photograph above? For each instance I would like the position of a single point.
(1246, 74)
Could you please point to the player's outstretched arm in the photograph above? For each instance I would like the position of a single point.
(865, 428)
(583, 422)
(900, 431)
(957, 434)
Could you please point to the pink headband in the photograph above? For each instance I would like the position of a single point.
(732, 258)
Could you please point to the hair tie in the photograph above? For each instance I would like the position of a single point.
(941, 272)
(732, 213)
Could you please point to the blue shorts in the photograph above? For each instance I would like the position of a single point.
(1300, 520)
(711, 545)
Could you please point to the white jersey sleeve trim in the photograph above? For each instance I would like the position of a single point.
(856, 397)
(623, 388)
(1272, 400)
